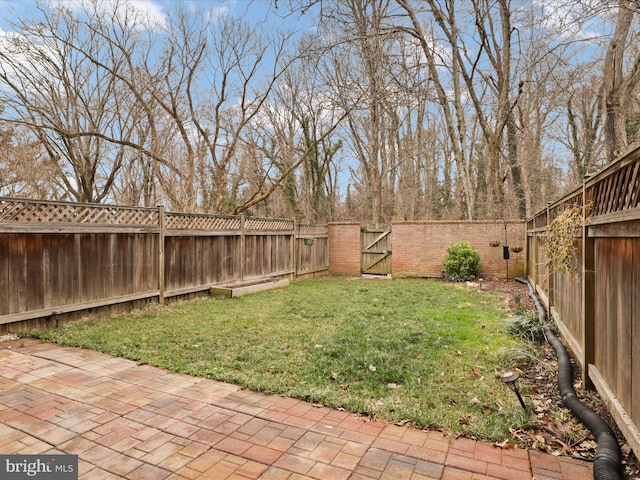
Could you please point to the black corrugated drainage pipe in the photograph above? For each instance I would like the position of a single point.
(607, 462)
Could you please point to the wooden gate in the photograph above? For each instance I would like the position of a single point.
(376, 250)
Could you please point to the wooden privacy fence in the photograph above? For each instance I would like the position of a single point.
(61, 258)
(596, 304)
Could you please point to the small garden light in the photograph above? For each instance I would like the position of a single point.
(510, 380)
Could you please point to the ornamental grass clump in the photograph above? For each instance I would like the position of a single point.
(462, 262)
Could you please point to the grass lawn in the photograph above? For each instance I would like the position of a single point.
(403, 350)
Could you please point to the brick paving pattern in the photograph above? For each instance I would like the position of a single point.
(129, 421)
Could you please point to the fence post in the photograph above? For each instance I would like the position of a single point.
(588, 292)
(550, 270)
(161, 253)
(242, 252)
(294, 247)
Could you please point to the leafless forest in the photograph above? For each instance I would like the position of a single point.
(323, 110)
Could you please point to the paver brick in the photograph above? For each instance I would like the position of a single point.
(128, 421)
(232, 445)
(465, 463)
(294, 463)
(346, 460)
(262, 454)
(507, 473)
(376, 459)
(423, 453)
(321, 471)
(280, 443)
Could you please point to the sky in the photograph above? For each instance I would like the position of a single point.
(158, 10)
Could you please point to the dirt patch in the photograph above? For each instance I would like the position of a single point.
(515, 295)
(558, 431)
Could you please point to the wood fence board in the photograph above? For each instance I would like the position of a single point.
(624, 320)
(136, 269)
(126, 255)
(568, 301)
(35, 271)
(634, 188)
(216, 256)
(635, 335)
(626, 188)
(4, 273)
(615, 193)
(60, 258)
(17, 274)
(610, 313)
(613, 311)
(63, 280)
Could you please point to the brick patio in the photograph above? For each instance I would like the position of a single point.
(132, 421)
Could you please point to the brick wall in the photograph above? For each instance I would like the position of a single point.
(419, 248)
(344, 248)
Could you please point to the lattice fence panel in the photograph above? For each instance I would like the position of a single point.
(17, 210)
(311, 230)
(618, 191)
(268, 224)
(571, 201)
(202, 222)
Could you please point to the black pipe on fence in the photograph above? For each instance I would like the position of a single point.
(607, 462)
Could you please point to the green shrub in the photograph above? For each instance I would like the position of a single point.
(528, 326)
(462, 262)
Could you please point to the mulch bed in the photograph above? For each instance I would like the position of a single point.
(558, 431)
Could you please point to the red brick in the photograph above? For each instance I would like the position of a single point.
(391, 446)
(544, 461)
(322, 471)
(465, 463)
(325, 452)
(346, 460)
(454, 474)
(487, 453)
(576, 469)
(294, 463)
(233, 445)
(252, 470)
(262, 454)
(375, 459)
(506, 473)
(205, 461)
(148, 472)
(434, 456)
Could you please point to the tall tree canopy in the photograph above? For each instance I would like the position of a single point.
(368, 110)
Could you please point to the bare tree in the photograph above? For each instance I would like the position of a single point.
(359, 58)
(179, 95)
(24, 169)
(619, 79)
(584, 120)
(51, 85)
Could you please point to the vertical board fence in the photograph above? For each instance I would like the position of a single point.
(597, 304)
(64, 258)
(312, 250)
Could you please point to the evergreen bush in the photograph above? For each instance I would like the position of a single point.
(462, 262)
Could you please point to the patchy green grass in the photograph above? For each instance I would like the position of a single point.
(404, 350)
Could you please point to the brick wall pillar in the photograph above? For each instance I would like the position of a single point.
(344, 248)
